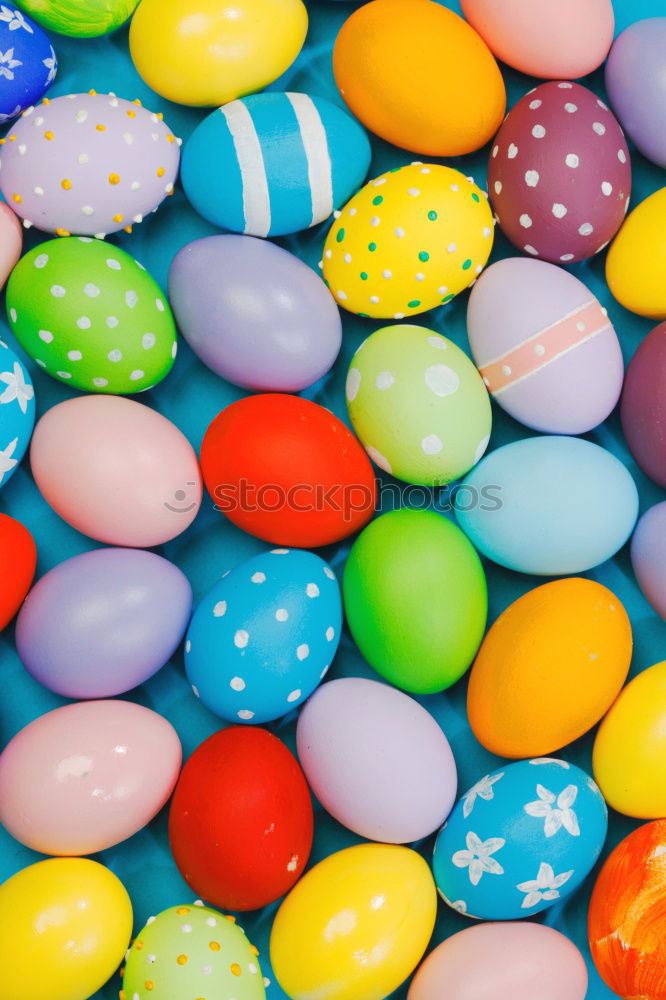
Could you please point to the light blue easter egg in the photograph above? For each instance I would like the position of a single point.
(263, 638)
(28, 62)
(272, 164)
(548, 505)
(17, 411)
(520, 840)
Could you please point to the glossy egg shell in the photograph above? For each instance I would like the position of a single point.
(637, 258)
(18, 556)
(643, 408)
(636, 85)
(648, 556)
(11, 242)
(29, 62)
(17, 411)
(559, 174)
(81, 18)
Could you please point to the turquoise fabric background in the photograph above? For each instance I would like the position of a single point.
(191, 396)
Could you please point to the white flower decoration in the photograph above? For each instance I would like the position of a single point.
(7, 463)
(52, 65)
(550, 760)
(545, 886)
(482, 789)
(478, 858)
(8, 64)
(6, 118)
(14, 18)
(459, 905)
(556, 817)
(17, 388)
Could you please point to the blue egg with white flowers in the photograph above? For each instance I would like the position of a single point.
(17, 411)
(264, 637)
(28, 63)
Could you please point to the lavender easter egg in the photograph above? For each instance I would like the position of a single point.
(89, 164)
(17, 411)
(643, 409)
(28, 63)
(636, 85)
(559, 175)
(648, 556)
(544, 346)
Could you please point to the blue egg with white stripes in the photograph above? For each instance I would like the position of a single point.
(520, 840)
(17, 411)
(28, 62)
(264, 637)
(273, 164)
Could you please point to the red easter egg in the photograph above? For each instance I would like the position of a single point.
(18, 558)
(288, 471)
(241, 822)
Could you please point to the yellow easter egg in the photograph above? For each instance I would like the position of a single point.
(356, 925)
(630, 748)
(636, 261)
(408, 241)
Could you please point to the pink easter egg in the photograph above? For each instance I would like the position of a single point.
(11, 242)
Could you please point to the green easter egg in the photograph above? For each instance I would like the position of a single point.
(415, 599)
(91, 316)
(418, 405)
(192, 953)
(80, 18)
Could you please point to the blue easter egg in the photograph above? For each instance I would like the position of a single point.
(28, 62)
(272, 164)
(548, 505)
(263, 638)
(17, 411)
(520, 840)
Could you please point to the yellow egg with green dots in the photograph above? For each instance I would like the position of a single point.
(408, 241)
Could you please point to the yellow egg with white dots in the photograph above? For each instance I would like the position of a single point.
(408, 241)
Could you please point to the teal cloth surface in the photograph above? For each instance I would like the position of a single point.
(191, 396)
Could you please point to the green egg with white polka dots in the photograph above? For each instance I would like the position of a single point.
(91, 316)
(192, 953)
(418, 405)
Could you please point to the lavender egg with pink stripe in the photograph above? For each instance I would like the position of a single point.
(544, 346)
(559, 175)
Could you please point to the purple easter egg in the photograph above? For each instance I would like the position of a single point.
(88, 164)
(648, 556)
(559, 175)
(103, 622)
(254, 313)
(643, 409)
(636, 85)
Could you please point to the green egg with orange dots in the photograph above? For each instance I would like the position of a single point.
(192, 952)
(408, 241)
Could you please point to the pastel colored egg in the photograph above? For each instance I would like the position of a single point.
(81, 18)
(280, 334)
(394, 791)
(17, 411)
(91, 316)
(27, 59)
(418, 405)
(568, 636)
(262, 639)
(209, 53)
(455, 99)
(189, 951)
(627, 923)
(415, 599)
(520, 839)
(373, 899)
(103, 622)
(629, 749)
(90, 164)
(287, 470)
(636, 68)
(643, 410)
(274, 163)
(520, 961)
(87, 776)
(116, 470)
(519, 509)
(64, 927)
(637, 258)
(247, 844)
(559, 174)
(18, 556)
(544, 345)
(11, 242)
(648, 556)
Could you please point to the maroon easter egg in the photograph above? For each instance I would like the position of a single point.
(559, 175)
(643, 409)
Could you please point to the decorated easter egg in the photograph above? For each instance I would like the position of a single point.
(544, 345)
(287, 470)
(274, 163)
(643, 409)
(91, 316)
(533, 521)
(520, 839)
(209, 53)
(81, 18)
(394, 791)
(103, 622)
(245, 845)
(648, 556)
(636, 260)
(415, 599)
(86, 776)
(88, 163)
(370, 900)
(28, 63)
(116, 470)
(568, 636)
(11, 241)
(455, 99)
(559, 174)
(189, 951)
(418, 405)
(64, 927)
(630, 747)
(18, 557)
(17, 411)
(408, 241)
(262, 639)
(280, 334)
(636, 85)
(627, 922)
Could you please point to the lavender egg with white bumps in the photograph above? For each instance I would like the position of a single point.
(28, 63)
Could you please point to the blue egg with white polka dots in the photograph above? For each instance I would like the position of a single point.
(520, 840)
(263, 638)
(28, 63)
(17, 411)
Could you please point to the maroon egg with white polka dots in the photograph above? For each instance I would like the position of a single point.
(559, 174)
